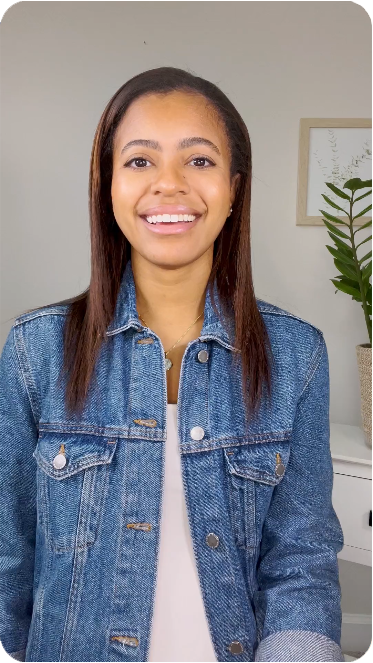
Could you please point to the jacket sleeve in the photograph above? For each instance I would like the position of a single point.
(298, 597)
(18, 436)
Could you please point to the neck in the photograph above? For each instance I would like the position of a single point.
(171, 296)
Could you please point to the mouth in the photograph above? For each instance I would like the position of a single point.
(171, 224)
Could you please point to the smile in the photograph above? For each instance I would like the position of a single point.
(169, 224)
(170, 218)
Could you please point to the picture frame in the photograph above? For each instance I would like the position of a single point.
(331, 150)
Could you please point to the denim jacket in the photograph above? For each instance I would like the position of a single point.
(80, 523)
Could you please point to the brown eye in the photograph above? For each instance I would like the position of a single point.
(203, 159)
(136, 159)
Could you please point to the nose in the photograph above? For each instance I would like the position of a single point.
(169, 180)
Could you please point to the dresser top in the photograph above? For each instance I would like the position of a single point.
(347, 443)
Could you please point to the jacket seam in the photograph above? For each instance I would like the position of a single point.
(287, 314)
(26, 317)
(27, 380)
(314, 363)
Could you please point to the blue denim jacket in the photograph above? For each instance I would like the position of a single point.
(80, 537)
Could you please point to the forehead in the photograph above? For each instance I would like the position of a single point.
(168, 118)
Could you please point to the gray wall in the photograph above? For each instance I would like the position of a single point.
(277, 61)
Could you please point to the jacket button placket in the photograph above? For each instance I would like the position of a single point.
(201, 468)
(129, 627)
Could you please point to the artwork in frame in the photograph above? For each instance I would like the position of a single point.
(331, 150)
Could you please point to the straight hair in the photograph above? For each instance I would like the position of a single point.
(90, 312)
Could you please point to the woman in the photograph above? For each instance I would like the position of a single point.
(170, 497)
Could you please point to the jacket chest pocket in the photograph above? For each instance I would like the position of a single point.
(254, 470)
(72, 478)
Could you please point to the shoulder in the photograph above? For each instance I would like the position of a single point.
(296, 343)
(281, 318)
(42, 314)
(38, 332)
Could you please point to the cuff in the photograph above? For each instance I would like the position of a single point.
(298, 646)
(18, 655)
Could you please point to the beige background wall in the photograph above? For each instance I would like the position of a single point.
(277, 61)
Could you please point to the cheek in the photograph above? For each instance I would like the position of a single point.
(124, 188)
(218, 225)
(121, 200)
(215, 191)
(119, 188)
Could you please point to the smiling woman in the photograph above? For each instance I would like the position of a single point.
(160, 504)
(164, 181)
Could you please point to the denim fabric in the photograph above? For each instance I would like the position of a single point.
(80, 542)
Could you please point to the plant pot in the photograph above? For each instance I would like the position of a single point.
(364, 362)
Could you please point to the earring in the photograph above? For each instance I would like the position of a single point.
(230, 211)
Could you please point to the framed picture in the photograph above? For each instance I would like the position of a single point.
(331, 150)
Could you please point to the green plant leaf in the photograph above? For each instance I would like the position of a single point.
(362, 213)
(363, 196)
(368, 294)
(367, 289)
(337, 191)
(368, 223)
(341, 245)
(367, 271)
(356, 183)
(345, 269)
(364, 240)
(353, 283)
(330, 202)
(333, 218)
(367, 255)
(336, 230)
(350, 283)
(340, 256)
(346, 289)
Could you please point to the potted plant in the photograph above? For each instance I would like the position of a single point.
(354, 281)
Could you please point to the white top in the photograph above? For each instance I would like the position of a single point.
(180, 630)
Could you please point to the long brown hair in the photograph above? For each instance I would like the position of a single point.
(90, 312)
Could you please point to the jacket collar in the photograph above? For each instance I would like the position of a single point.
(126, 316)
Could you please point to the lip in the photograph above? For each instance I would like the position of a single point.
(170, 209)
(170, 228)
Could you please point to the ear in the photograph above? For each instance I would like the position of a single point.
(234, 186)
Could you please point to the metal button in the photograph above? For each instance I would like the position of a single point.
(59, 461)
(235, 647)
(203, 356)
(126, 640)
(280, 469)
(145, 341)
(197, 433)
(212, 540)
(146, 422)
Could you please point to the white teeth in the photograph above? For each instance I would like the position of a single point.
(170, 218)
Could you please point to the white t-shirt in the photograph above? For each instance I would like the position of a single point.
(180, 630)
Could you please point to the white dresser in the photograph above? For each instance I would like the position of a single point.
(352, 491)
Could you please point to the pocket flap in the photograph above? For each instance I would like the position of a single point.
(80, 451)
(260, 461)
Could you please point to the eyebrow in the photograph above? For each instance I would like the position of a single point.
(182, 144)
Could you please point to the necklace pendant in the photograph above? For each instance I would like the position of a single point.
(168, 363)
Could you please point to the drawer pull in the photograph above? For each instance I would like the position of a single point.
(370, 518)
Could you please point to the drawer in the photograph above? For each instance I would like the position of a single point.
(352, 501)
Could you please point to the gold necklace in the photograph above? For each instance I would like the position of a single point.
(168, 362)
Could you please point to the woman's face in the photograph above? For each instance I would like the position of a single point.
(165, 176)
